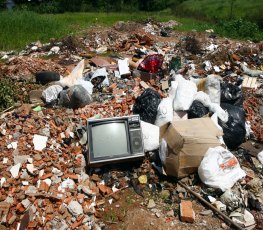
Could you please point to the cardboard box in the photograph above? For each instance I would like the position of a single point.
(187, 143)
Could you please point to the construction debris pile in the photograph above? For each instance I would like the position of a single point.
(199, 99)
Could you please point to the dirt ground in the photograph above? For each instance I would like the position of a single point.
(131, 213)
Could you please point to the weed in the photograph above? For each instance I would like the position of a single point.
(111, 216)
(7, 94)
(192, 45)
(129, 200)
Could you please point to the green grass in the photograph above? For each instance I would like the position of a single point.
(19, 28)
(221, 8)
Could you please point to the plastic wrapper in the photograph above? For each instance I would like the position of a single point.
(234, 129)
(220, 169)
(146, 105)
(74, 97)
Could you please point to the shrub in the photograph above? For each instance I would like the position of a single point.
(239, 28)
(7, 94)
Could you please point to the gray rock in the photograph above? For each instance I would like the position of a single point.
(75, 208)
(206, 213)
(45, 132)
(170, 213)
(21, 159)
(151, 204)
(31, 189)
(26, 203)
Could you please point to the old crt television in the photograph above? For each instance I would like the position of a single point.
(114, 139)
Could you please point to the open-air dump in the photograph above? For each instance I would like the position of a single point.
(133, 127)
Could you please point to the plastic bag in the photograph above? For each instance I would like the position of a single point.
(151, 63)
(165, 108)
(212, 88)
(231, 94)
(163, 151)
(234, 129)
(146, 105)
(45, 77)
(51, 93)
(197, 110)
(150, 135)
(74, 76)
(260, 157)
(185, 93)
(220, 169)
(74, 97)
(86, 84)
(213, 107)
(101, 77)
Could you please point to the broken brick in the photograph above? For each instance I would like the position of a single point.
(104, 189)
(46, 176)
(187, 213)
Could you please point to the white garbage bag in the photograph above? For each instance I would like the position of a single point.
(185, 93)
(213, 107)
(51, 93)
(260, 157)
(165, 108)
(220, 169)
(212, 88)
(74, 76)
(86, 84)
(163, 151)
(151, 135)
(102, 72)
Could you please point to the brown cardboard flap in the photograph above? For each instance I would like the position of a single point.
(174, 140)
(188, 141)
(163, 129)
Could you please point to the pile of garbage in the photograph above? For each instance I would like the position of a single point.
(200, 103)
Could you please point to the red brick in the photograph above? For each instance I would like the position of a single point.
(104, 189)
(46, 176)
(43, 186)
(186, 211)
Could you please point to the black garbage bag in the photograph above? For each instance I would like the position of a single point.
(44, 77)
(197, 110)
(231, 94)
(74, 97)
(146, 105)
(234, 129)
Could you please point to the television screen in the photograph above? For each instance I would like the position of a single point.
(109, 139)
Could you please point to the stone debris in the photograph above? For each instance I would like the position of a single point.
(151, 204)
